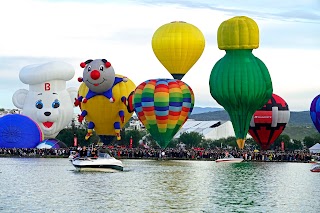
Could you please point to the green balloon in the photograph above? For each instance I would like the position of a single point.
(241, 83)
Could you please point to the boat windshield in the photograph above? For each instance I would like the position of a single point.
(104, 155)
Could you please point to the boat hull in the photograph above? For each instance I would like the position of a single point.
(315, 168)
(99, 165)
(232, 160)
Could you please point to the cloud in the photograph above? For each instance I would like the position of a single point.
(121, 31)
(76, 28)
(289, 10)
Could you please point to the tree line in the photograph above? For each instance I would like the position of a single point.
(190, 139)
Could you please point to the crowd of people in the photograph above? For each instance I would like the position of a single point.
(169, 153)
(83, 152)
(214, 154)
(34, 152)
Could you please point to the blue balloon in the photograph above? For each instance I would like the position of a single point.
(19, 131)
(315, 112)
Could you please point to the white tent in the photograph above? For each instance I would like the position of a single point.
(315, 148)
(213, 130)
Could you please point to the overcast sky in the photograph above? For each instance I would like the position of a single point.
(34, 31)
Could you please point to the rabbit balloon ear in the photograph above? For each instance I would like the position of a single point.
(73, 92)
(19, 98)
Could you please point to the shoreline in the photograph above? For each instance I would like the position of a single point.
(160, 159)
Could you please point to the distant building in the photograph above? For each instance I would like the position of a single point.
(213, 130)
(4, 112)
(75, 122)
(135, 124)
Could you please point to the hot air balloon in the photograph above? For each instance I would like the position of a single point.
(178, 46)
(240, 82)
(51, 143)
(108, 117)
(19, 131)
(163, 106)
(268, 122)
(48, 101)
(315, 112)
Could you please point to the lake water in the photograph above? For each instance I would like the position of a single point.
(52, 185)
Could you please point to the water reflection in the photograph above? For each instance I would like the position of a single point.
(52, 185)
(178, 183)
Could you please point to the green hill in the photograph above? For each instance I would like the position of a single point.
(299, 132)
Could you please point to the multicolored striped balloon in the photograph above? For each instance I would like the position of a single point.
(163, 106)
(315, 112)
(51, 143)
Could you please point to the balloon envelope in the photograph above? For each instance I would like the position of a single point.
(315, 112)
(178, 46)
(269, 122)
(51, 143)
(163, 106)
(103, 113)
(241, 83)
(19, 131)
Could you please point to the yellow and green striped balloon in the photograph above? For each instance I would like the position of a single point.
(163, 106)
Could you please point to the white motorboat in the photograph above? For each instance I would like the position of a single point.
(229, 159)
(104, 162)
(315, 168)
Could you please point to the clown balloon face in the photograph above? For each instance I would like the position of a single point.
(98, 75)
